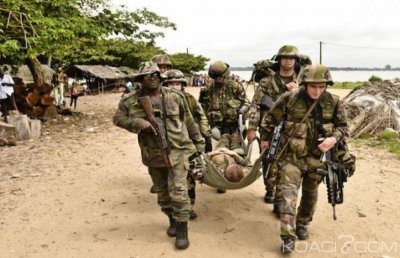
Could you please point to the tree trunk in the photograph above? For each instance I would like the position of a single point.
(36, 69)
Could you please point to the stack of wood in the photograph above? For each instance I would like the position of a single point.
(34, 99)
(373, 107)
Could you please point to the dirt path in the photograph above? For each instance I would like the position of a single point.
(81, 191)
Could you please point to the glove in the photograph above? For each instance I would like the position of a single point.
(208, 147)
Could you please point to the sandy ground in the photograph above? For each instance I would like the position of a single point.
(81, 191)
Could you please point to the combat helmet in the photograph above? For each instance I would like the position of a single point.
(287, 50)
(146, 68)
(218, 69)
(316, 73)
(162, 59)
(174, 76)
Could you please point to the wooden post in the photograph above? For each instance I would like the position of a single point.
(320, 52)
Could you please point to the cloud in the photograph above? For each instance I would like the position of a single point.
(242, 32)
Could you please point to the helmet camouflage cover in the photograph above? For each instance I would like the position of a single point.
(175, 76)
(316, 73)
(146, 68)
(288, 50)
(162, 59)
(218, 68)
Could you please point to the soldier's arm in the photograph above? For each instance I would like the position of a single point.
(272, 118)
(340, 129)
(255, 108)
(203, 123)
(241, 95)
(194, 132)
(124, 120)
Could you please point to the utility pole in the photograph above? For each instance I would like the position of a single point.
(187, 51)
(320, 52)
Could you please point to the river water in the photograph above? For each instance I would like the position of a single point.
(341, 76)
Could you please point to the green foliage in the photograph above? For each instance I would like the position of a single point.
(374, 78)
(188, 63)
(394, 147)
(385, 140)
(347, 85)
(388, 135)
(60, 28)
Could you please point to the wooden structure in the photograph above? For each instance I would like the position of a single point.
(99, 78)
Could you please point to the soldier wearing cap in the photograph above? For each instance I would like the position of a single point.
(281, 78)
(302, 147)
(222, 102)
(183, 137)
(175, 79)
(163, 62)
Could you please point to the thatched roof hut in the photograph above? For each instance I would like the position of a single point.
(25, 74)
(98, 77)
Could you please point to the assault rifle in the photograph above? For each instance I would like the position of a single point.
(335, 175)
(274, 145)
(159, 132)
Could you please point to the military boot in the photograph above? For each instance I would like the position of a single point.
(192, 196)
(288, 245)
(182, 240)
(171, 231)
(277, 210)
(269, 196)
(221, 191)
(302, 232)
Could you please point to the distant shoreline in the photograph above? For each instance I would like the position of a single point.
(330, 68)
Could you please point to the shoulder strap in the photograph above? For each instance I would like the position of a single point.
(314, 104)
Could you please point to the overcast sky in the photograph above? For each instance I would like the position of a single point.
(354, 32)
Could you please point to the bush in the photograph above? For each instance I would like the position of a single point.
(388, 135)
(374, 78)
(347, 85)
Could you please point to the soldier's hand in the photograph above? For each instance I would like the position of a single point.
(327, 144)
(251, 135)
(146, 127)
(292, 86)
(264, 145)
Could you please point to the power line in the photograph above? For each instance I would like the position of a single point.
(364, 47)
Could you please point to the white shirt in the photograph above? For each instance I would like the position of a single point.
(6, 90)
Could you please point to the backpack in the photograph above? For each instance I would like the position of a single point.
(266, 67)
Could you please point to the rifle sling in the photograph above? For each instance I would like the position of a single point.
(165, 118)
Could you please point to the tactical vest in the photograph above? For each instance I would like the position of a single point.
(303, 136)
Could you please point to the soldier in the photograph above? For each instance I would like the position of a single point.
(182, 136)
(59, 80)
(176, 80)
(222, 102)
(163, 62)
(281, 78)
(303, 110)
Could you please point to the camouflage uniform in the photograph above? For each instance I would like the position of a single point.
(201, 120)
(221, 104)
(182, 135)
(274, 86)
(299, 161)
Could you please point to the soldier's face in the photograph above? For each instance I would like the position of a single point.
(315, 90)
(163, 68)
(175, 85)
(151, 81)
(219, 80)
(288, 62)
